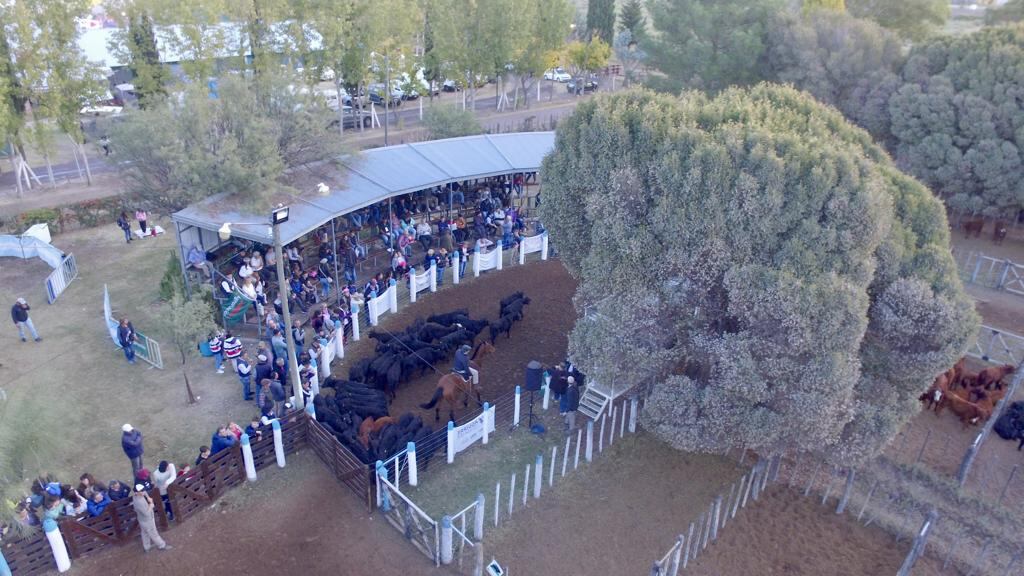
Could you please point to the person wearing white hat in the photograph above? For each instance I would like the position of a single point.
(131, 443)
(19, 314)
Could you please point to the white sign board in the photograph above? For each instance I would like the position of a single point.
(473, 430)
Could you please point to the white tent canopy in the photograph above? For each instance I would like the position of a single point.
(375, 175)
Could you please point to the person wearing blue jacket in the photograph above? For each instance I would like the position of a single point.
(222, 439)
(97, 503)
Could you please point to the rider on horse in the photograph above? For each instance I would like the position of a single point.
(462, 367)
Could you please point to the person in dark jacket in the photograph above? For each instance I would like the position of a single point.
(117, 490)
(131, 443)
(126, 338)
(569, 403)
(222, 439)
(279, 396)
(126, 226)
(19, 314)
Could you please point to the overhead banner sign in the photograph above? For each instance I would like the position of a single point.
(471, 431)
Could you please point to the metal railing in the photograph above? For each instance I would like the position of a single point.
(61, 277)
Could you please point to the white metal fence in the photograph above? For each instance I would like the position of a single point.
(991, 272)
(997, 346)
(61, 277)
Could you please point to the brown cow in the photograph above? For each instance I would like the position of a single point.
(959, 369)
(989, 377)
(973, 226)
(970, 414)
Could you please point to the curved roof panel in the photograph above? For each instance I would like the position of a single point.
(375, 175)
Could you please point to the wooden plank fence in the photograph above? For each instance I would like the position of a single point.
(190, 494)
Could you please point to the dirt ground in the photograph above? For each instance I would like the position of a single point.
(292, 521)
(542, 335)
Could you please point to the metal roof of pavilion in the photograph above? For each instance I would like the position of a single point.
(375, 175)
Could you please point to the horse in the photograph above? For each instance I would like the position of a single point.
(974, 226)
(451, 385)
(988, 377)
(370, 426)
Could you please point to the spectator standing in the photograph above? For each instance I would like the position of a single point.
(279, 396)
(131, 443)
(19, 314)
(217, 350)
(142, 217)
(143, 506)
(278, 345)
(569, 403)
(105, 144)
(126, 226)
(163, 477)
(232, 347)
(245, 376)
(299, 337)
(264, 399)
(126, 338)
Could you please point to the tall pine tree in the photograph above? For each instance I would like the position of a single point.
(149, 73)
(632, 18)
(601, 19)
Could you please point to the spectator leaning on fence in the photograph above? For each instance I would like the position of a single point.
(126, 338)
(163, 477)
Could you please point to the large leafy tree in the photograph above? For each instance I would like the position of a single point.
(708, 44)
(850, 63)
(758, 263)
(240, 143)
(44, 79)
(1012, 11)
(911, 19)
(957, 123)
(135, 42)
(601, 19)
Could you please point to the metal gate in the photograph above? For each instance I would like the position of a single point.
(61, 276)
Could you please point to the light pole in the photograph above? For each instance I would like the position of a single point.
(277, 217)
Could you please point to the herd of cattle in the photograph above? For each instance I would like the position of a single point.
(356, 412)
(971, 396)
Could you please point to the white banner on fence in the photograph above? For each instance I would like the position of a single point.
(473, 430)
(386, 302)
(420, 282)
(533, 244)
(486, 261)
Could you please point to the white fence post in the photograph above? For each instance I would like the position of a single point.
(410, 456)
(433, 277)
(632, 415)
(355, 322)
(250, 467)
(278, 442)
(544, 247)
(538, 476)
(718, 512)
(551, 467)
(476, 261)
(673, 569)
(565, 455)
(600, 436)
(526, 484)
(589, 455)
(515, 412)
(478, 518)
(547, 394)
(412, 285)
(497, 502)
(522, 252)
(392, 293)
(611, 437)
(451, 441)
(60, 551)
(371, 309)
(500, 256)
(512, 494)
(456, 264)
(447, 551)
(487, 413)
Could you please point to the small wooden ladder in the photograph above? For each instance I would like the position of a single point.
(593, 403)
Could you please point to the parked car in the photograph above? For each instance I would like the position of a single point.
(558, 75)
(450, 86)
(377, 95)
(588, 85)
(351, 120)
